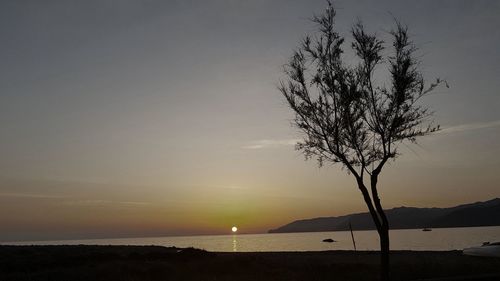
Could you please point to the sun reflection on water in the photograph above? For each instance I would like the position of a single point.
(235, 243)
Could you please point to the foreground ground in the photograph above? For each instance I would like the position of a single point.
(138, 263)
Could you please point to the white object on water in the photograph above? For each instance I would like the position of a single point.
(486, 250)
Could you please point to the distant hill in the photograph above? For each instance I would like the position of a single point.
(476, 214)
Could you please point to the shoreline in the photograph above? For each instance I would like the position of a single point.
(93, 262)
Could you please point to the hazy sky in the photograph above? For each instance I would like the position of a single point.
(130, 118)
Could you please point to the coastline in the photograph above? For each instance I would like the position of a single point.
(87, 262)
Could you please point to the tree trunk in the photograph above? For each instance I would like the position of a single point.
(381, 223)
(384, 253)
(383, 230)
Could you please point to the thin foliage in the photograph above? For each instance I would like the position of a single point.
(345, 118)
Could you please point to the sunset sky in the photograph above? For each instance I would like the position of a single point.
(142, 118)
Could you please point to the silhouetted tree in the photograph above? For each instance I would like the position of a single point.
(346, 117)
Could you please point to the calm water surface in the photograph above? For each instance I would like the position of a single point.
(439, 239)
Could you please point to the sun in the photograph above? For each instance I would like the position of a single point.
(234, 229)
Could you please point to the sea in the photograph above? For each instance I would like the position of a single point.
(439, 239)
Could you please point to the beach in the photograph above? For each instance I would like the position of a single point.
(82, 262)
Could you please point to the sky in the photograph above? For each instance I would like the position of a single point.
(147, 118)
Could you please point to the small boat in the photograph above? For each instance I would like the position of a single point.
(486, 250)
(329, 240)
(426, 229)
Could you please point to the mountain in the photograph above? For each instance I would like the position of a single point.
(475, 214)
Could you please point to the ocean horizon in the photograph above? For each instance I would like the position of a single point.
(439, 239)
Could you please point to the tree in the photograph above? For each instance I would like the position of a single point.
(348, 118)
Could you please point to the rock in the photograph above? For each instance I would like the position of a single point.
(329, 240)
